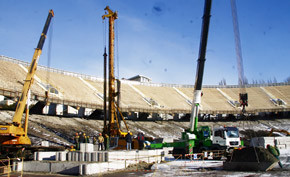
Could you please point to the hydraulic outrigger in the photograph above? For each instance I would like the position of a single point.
(15, 133)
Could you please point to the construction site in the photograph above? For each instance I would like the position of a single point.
(61, 123)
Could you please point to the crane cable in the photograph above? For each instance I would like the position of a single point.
(238, 47)
(105, 32)
(239, 56)
(50, 34)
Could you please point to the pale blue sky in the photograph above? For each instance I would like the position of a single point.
(159, 39)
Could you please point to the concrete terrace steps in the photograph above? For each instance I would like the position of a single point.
(87, 92)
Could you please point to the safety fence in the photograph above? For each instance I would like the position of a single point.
(207, 155)
(10, 165)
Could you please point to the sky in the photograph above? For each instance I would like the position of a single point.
(155, 38)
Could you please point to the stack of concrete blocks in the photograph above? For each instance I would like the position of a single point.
(118, 160)
(281, 142)
(86, 154)
(122, 159)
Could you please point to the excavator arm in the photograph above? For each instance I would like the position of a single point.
(15, 133)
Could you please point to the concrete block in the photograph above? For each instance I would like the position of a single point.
(61, 156)
(106, 156)
(69, 156)
(282, 140)
(87, 156)
(65, 168)
(74, 156)
(281, 146)
(83, 147)
(77, 156)
(45, 143)
(39, 156)
(97, 168)
(86, 147)
(100, 157)
(95, 147)
(81, 157)
(94, 157)
(36, 166)
(19, 166)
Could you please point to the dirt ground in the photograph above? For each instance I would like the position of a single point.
(61, 130)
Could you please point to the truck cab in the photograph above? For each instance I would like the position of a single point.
(226, 136)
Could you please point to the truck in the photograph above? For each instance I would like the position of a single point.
(197, 139)
(227, 137)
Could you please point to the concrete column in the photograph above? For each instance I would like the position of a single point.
(52, 109)
(65, 110)
(81, 112)
(176, 116)
(133, 115)
(155, 115)
(143, 115)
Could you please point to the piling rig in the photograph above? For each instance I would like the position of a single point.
(113, 128)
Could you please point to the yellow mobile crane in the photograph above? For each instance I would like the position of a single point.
(113, 128)
(15, 133)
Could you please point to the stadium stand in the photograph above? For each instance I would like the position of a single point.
(79, 90)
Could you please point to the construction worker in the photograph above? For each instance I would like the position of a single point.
(21, 153)
(87, 139)
(107, 142)
(275, 151)
(94, 140)
(101, 142)
(72, 148)
(77, 141)
(82, 140)
(128, 140)
(140, 138)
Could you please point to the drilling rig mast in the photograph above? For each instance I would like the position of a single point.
(113, 127)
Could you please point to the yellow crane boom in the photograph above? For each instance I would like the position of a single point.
(16, 132)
